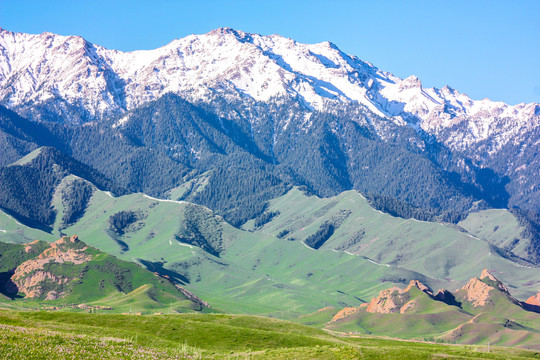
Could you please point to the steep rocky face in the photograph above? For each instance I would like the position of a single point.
(270, 92)
(388, 301)
(487, 275)
(71, 270)
(480, 312)
(476, 292)
(33, 280)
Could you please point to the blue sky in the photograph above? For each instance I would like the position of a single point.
(482, 48)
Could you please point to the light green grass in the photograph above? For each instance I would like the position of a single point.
(27, 158)
(499, 322)
(258, 273)
(40, 335)
(444, 255)
(499, 227)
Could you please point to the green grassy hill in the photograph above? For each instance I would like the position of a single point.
(39, 335)
(69, 275)
(268, 269)
(482, 312)
(440, 255)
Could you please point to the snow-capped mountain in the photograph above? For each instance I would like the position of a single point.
(59, 73)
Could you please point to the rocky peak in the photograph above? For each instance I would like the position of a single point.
(490, 279)
(389, 301)
(476, 292)
(66, 249)
(178, 67)
(479, 291)
(487, 274)
(418, 285)
(411, 82)
(396, 300)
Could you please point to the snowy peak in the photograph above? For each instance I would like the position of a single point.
(59, 72)
(38, 68)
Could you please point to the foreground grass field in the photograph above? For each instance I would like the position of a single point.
(59, 335)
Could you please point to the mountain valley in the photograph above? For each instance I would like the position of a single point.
(238, 173)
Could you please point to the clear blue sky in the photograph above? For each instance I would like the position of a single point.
(482, 48)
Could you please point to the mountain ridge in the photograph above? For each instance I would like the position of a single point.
(275, 90)
(99, 82)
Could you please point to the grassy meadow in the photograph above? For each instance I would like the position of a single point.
(47, 335)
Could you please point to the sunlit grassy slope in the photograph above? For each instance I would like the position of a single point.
(257, 272)
(438, 254)
(40, 335)
(97, 282)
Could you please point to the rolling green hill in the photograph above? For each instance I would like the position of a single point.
(482, 312)
(440, 255)
(38, 335)
(269, 269)
(67, 274)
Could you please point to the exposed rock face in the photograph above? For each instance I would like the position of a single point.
(407, 307)
(395, 299)
(66, 250)
(31, 285)
(476, 292)
(489, 275)
(67, 74)
(417, 284)
(31, 278)
(482, 310)
(53, 295)
(534, 300)
(346, 312)
(389, 301)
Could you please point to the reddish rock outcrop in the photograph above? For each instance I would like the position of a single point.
(30, 276)
(395, 299)
(534, 300)
(476, 292)
(487, 274)
(417, 284)
(388, 301)
(346, 312)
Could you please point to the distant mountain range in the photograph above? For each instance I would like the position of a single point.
(274, 90)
